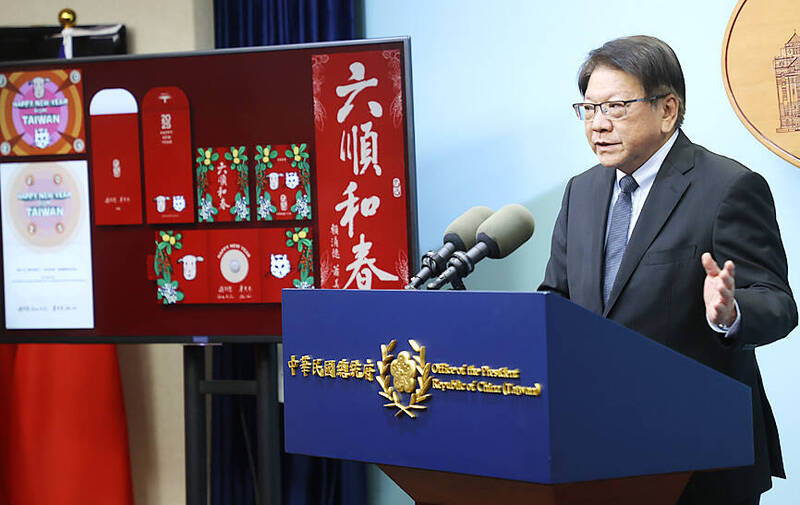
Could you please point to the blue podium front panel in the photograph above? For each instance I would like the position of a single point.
(472, 428)
(522, 386)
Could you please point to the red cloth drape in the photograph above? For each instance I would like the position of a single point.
(63, 434)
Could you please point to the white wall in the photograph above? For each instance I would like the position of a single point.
(492, 86)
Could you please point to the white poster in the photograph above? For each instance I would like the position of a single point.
(47, 252)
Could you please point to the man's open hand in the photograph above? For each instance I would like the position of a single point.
(718, 291)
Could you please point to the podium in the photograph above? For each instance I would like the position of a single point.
(481, 397)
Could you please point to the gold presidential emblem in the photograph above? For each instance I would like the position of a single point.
(409, 374)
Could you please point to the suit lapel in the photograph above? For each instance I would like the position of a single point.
(668, 187)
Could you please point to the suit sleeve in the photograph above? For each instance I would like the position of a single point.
(555, 276)
(746, 232)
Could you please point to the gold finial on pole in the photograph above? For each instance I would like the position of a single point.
(67, 18)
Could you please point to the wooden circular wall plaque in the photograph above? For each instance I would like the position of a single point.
(761, 72)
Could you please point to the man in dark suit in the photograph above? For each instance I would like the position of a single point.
(638, 238)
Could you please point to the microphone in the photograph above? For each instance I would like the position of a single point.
(497, 237)
(459, 236)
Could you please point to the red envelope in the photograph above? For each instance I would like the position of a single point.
(166, 132)
(116, 169)
(283, 182)
(222, 184)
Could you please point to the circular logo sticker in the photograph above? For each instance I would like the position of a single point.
(234, 266)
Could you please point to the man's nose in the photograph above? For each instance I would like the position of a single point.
(600, 122)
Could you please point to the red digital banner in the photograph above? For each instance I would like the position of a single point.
(361, 179)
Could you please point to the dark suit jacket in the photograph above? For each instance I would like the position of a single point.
(699, 202)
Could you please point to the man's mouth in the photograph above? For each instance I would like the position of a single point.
(604, 145)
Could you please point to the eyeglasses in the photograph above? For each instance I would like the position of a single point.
(615, 109)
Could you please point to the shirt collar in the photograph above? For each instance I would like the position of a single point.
(646, 174)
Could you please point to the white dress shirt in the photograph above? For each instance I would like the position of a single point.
(644, 177)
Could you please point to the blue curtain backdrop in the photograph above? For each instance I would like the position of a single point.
(306, 480)
(242, 23)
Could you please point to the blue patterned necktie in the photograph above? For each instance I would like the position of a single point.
(618, 234)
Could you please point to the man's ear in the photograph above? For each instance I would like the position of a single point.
(669, 112)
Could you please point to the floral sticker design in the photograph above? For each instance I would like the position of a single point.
(207, 211)
(265, 207)
(166, 243)
(298, 158)
(265, 156)
(300, 238)
(205, 164)
(264, 160)
(302, 206)
(241, 208)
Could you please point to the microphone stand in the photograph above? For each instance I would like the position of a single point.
(433, 263)
(464, 266)
(457, 284)
(460, 265)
